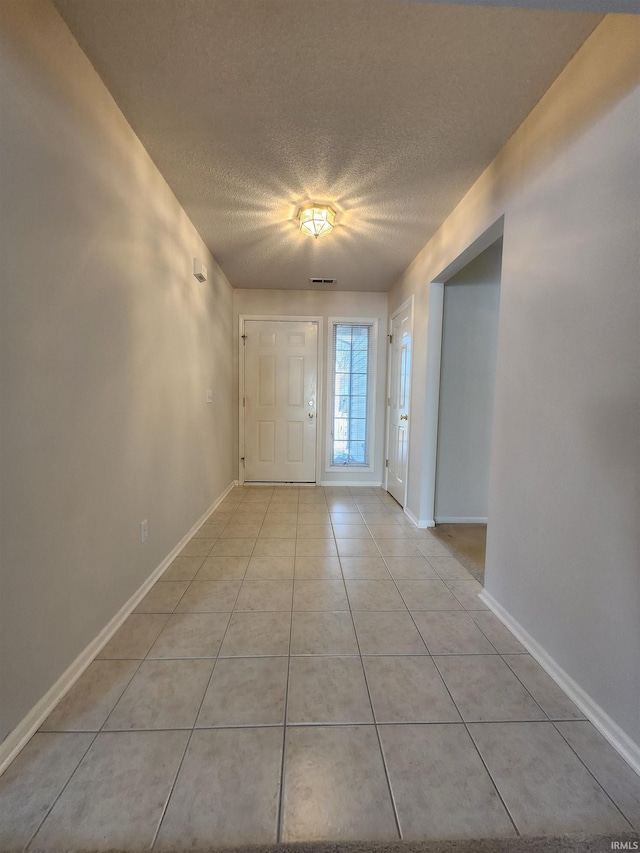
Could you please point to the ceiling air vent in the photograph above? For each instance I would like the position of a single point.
(322, 281)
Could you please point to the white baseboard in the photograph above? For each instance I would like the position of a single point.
(343, 483)
(19, 737)
(354, 484)
(460, 520)
(421, 523)
(619, 740)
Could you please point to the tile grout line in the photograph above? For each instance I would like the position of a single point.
(469, 735)
(359, 656)
(102, 729)
(455, 704)
(493, 781)
(464, 722)
(588, 769)
(193, 729)
(548, 717)
(384, 723)
(464, 610)
(395, 583)
(394, 805)
(284, 728)
(62, 790)
(175, 779)
(524, 652)
(327, 723)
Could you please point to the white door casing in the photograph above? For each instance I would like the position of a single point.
(280, 400)
(398, 402)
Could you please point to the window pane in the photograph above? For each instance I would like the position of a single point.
(351, 394)
(342, 385)
(357, 430)
(342, 405)
(358, 407)
(359, 385)
(357, 453)
(343, 360)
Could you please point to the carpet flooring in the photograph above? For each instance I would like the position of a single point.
(539, 844)
(467, 542)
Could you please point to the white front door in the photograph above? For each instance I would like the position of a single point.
(280, 385)
(399, 398)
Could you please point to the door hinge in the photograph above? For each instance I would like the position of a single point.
(389, 402)
(242, 459)
(390, 338)
(244, 339)
(386, 463)
(244, 401)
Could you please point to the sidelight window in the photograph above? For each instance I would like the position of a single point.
(351, 394)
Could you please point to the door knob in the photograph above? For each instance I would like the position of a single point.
(404, 417)
(310, 414)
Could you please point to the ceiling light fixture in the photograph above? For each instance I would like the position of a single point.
(316, 219)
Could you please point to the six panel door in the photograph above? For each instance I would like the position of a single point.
(281, 375)
(399, 395)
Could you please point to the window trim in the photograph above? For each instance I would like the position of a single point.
(371, 409)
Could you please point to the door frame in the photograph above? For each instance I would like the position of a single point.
(281, 318)
(434, 358)
(401, 308)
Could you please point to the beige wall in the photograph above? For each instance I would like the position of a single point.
(108, 347)
(467, 389)
(563, 554)
(314, 303)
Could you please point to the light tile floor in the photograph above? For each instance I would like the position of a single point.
(312, 666)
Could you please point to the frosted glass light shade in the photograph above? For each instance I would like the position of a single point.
(316, 220)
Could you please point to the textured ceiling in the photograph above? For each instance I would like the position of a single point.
(387, 110)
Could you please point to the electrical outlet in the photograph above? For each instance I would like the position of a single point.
(209, 395)
(144, 531)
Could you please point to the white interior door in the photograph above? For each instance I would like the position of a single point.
(399, 399)
(280, 386)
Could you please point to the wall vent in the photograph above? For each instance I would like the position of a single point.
(322, 280)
